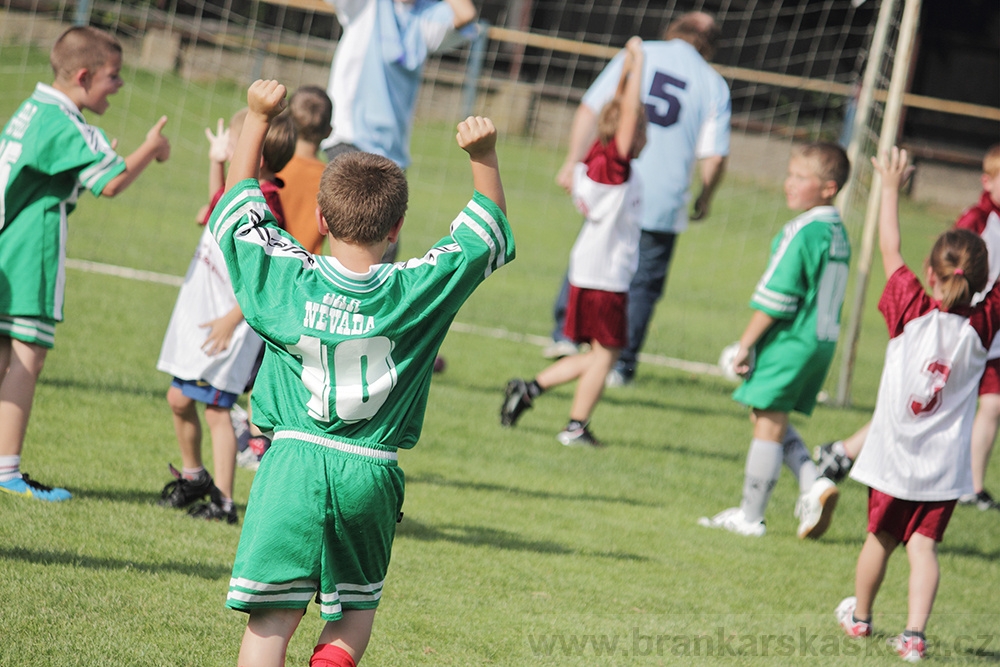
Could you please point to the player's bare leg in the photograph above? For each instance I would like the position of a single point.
(187, 426)
(870, 571)
(854, 443)
(984, 433)
(562, 371)
(23, 364)
(351, 633)
(590, 384)
(265, 640)
(924, 576)
(220, 425)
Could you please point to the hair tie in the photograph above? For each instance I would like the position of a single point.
(959, 272)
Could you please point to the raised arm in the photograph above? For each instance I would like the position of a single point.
(464, 10)
(477, 137)
(265, 100)
(155, 147)
(630, 95)
(582, 134)
(218, 155)
(894, 171)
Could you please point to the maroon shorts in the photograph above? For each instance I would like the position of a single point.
(990, 382)
(596, 315)
(902, 518)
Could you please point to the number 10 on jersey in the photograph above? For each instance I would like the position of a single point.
(360, 372)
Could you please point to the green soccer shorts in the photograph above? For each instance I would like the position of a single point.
(319, 523)
(786, 377)
(39, 331)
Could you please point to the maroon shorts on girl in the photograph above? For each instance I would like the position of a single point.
(990, 382)
(596, 315)
(903, 518)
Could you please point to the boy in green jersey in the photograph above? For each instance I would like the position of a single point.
(48, 155)
(793, 333)
(350, 348)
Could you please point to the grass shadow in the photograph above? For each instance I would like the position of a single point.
(130, 496)
(438, 480)
(499, 539)
(103, 387)
(72, 559)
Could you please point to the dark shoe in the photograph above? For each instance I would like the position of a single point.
(982, 501)
(213, 512)
(578, 437)
(515, 401)
(182, 492)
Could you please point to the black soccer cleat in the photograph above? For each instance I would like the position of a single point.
(212, 511)
(515, 401)
(183, 492)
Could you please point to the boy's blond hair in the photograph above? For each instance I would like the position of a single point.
(829, 161)
(991, 161)
(279, 144)
(361, 196)
(312, 110)
(82, 47)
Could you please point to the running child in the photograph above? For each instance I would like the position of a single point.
(916, 459)
(793, 333)
(50, 154)
(606, 190)
(209, 349)
(351, 344)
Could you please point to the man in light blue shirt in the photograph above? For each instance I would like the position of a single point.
(688, 107)
(378, 67)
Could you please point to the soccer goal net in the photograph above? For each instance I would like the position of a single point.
(798, 71)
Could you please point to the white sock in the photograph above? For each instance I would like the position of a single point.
(761, 474)
(10, 467)
(798, 460)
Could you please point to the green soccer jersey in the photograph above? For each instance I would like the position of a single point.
(349, 356)
(803, 289)
(48, 154)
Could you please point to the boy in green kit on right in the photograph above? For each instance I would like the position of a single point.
(786, 349)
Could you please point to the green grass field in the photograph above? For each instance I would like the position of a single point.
(514, 550)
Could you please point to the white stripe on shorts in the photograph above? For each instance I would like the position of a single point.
(380, 454)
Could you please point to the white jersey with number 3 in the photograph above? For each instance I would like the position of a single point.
(918, 447)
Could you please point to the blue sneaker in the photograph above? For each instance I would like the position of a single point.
(28, 488)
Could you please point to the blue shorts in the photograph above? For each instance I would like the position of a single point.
(203, 392)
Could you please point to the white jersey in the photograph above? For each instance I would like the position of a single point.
(688, 106)
(983, 218)
(918, 446)
(606, 252)
(206, 295)
(377, 70)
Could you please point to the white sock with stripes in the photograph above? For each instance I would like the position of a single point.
(10, 467)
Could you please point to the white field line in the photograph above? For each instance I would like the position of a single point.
(460, 327)
(123, 272)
